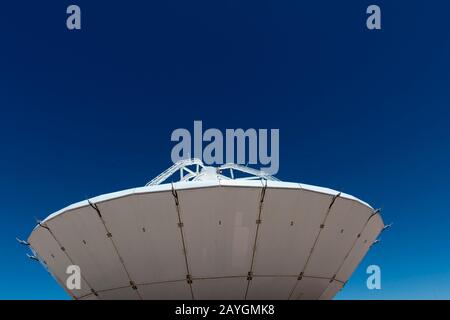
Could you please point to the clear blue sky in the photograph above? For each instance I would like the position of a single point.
(90, 112)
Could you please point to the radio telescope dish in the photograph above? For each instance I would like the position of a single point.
(218, 233)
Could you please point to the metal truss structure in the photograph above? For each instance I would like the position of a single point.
(195, 169)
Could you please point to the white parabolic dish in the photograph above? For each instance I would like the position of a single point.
(209, 236)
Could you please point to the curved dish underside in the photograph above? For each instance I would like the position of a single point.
(221, 239)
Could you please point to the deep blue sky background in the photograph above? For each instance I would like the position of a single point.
(90, 112)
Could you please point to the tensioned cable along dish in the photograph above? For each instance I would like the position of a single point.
(230, 232)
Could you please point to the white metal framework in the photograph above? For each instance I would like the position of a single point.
(194, 169)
